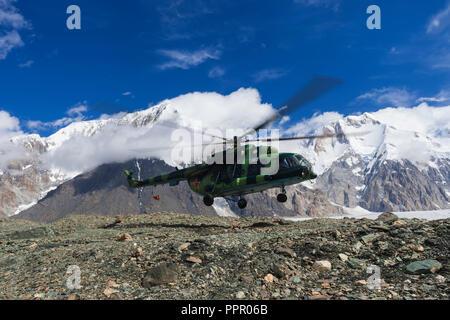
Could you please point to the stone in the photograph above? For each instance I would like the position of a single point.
(269, 277)
(246, 278)
(343, 257)
(240, 295)
(124, 237)
(440, 279)
(163, 273)
(368, 238)
(399, 223)
(357, 246)
(281, 271)
(194, 259)
(416, 248)
(183, 246)
(387, 217)
(109, 292)
(356, 263)
(113, 284)
(318, 296)
(322, 265)
(423, 267)
(361, 282)
(285, 251)
(137, 252)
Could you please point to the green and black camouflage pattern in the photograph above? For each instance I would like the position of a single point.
(233, 178)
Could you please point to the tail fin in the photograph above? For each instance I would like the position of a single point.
(131, 182)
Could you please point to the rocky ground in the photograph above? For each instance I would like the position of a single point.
(175, 256)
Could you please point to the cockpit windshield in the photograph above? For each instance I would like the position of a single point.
(289, 162)
(303, 161)
(294, 161)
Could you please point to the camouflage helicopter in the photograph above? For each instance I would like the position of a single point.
(238, 178)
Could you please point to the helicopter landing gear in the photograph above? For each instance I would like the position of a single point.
(208, 200)
(242, 203)
(282, 196)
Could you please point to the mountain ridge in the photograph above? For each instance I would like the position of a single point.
(367, 160)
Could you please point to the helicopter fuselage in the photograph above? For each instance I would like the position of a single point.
(239, 179)
(234, 179)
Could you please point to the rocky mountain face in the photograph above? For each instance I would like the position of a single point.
(383, 170)
(29, 179)
(386, 167)
(25, 182)
(104, 191)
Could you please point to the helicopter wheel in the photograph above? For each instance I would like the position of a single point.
(208, 200)
(281, 197)
(242, 203)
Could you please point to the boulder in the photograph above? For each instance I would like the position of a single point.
(424, 266)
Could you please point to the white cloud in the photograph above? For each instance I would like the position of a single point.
(128, 93)
(187, 59)
(10, 16)
(333, 4)
(9, 41)
(443, 96)
(27, 64)
(440, 21)
(11, 21)
(75, 114)
(117, 143)
(77, 110)
(9, 128)
(216, 72)
(269, 74)
(316, 122)
(389, 96)
(422, 118)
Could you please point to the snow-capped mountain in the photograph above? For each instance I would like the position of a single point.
(400, 160)
(393, 161)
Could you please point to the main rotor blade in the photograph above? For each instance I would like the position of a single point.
(316, 87)
(321, 136)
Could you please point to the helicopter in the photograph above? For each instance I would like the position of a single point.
(213, 179)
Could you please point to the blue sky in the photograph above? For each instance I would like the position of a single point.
(138, 52)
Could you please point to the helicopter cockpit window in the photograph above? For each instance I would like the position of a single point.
(303, 162)
(284, 163)
(289, 162)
